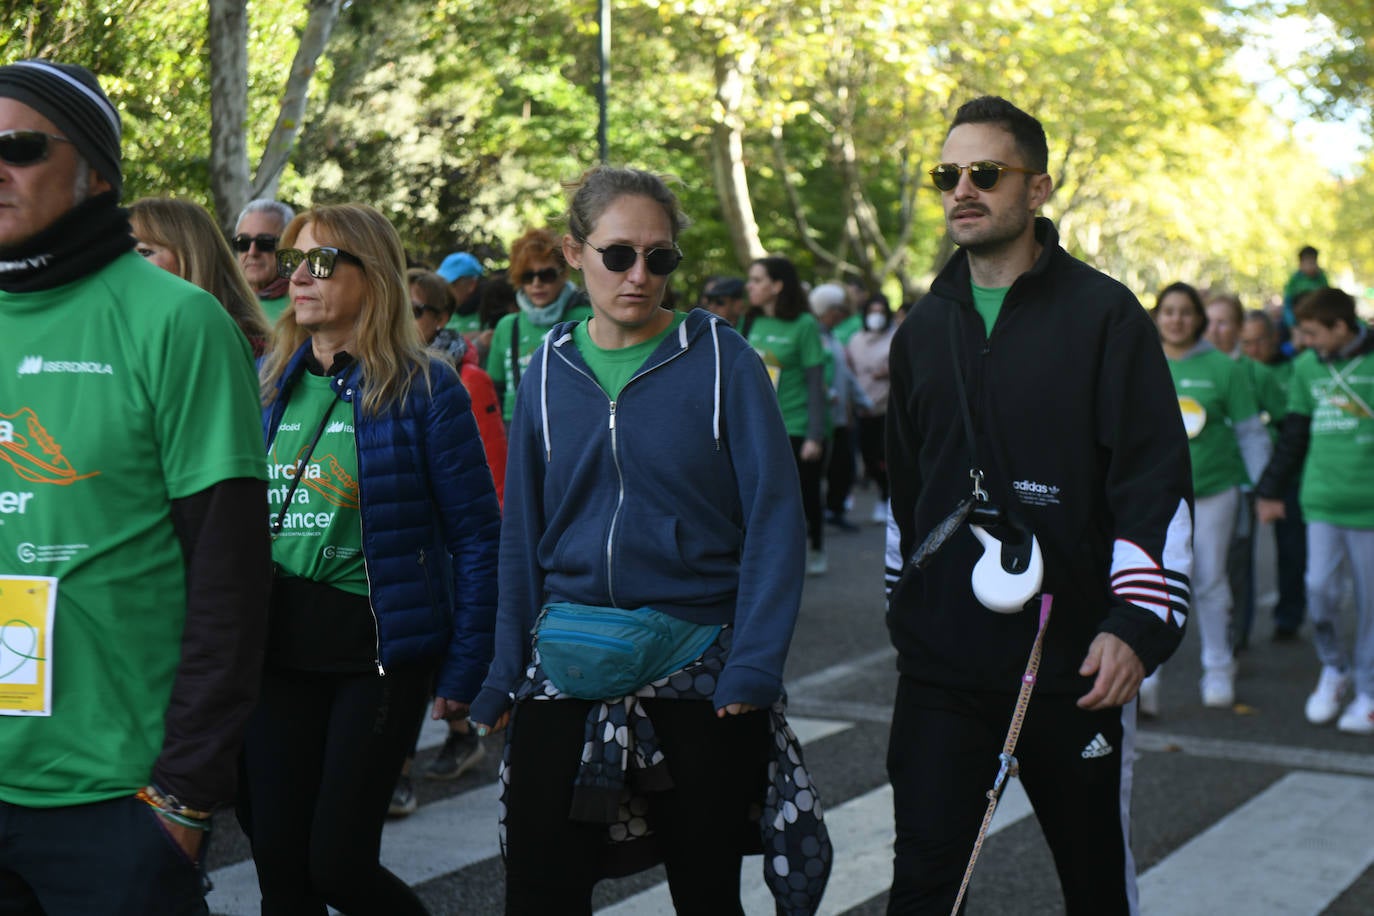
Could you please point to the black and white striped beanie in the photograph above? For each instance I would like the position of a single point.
(70, 96)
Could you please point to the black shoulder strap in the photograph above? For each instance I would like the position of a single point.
(515, 352)
(955, 346)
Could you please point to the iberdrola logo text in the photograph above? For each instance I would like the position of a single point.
(33, 365)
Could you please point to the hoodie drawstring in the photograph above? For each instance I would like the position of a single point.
(544, 399)
(715, 415)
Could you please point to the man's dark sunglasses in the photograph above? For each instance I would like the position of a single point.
(984, 174)
(419, 308)
(266, 243)
(547, 275)
(26, 147)
(319, 261)
(620, 258)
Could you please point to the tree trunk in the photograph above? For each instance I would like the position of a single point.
(727, 160)
(324, 14)
(229, 108)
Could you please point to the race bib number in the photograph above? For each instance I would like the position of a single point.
(27, 604)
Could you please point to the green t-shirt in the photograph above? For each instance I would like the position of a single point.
(613, 368)
(848, 328)
(119, 393)
(321, 536)
(1213, 394)
(273, 308)
(788, 349)
(499, 367)
(1338, 396)
(465, 324)
(988, 301)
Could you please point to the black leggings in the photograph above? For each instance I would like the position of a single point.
(719, 767)
(321, 757)
(811, 474)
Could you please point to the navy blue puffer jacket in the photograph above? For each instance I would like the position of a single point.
(430, 521)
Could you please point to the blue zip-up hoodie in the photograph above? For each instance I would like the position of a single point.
(430, 523)
(681, 495)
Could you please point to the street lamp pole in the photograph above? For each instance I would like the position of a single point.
(604, 17)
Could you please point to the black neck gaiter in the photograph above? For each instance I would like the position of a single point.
(83, 240)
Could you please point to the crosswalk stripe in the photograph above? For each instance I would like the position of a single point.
(1291, 849)
(438, 838)
(861, 830)
(1294, 848)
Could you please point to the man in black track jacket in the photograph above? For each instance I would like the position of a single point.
(1079, 440)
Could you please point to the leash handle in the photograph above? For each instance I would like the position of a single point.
(1010, 767)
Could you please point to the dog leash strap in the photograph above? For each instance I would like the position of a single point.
(1009, 766)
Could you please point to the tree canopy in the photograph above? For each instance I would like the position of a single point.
(799, 127)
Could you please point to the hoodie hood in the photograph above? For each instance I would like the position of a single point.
(700, 328)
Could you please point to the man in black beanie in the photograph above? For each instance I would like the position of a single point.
(133, 559)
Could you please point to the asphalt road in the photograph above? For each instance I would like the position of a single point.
(1249, 810)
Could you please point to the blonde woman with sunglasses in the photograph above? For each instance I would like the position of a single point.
(384, 524)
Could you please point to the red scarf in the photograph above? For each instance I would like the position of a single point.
(276, 289)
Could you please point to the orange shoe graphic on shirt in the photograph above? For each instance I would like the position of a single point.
(332, 482)
(32, 451)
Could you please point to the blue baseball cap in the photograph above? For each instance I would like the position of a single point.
(458, 265)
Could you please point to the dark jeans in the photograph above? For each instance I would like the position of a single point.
(1290, 536)
(872, 445)
(1240, 571)
(321, 757)
(839, 476)
(111, 858)
(942, 759)
(719, 767)
(811, 474)
(1290, 539)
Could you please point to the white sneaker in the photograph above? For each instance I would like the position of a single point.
(1149, 696)
(879, 516)
(1359, 716)
(1325, 702)
(1219, 687)
(816, 563)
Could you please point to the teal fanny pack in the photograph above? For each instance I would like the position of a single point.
(599, 653)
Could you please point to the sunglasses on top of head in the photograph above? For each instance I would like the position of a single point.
(27, 147)
(547, 275)
(266, 243)
(620, 258)
(984, 174)
(319, 261)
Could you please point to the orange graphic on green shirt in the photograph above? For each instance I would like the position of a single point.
(32, 451)
(328, 478)
(1345, 404)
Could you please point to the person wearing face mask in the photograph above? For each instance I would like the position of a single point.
(868, 353)
(545, 296)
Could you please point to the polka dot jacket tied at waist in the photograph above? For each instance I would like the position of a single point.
(619, 738)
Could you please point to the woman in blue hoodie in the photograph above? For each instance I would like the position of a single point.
(649, 472)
